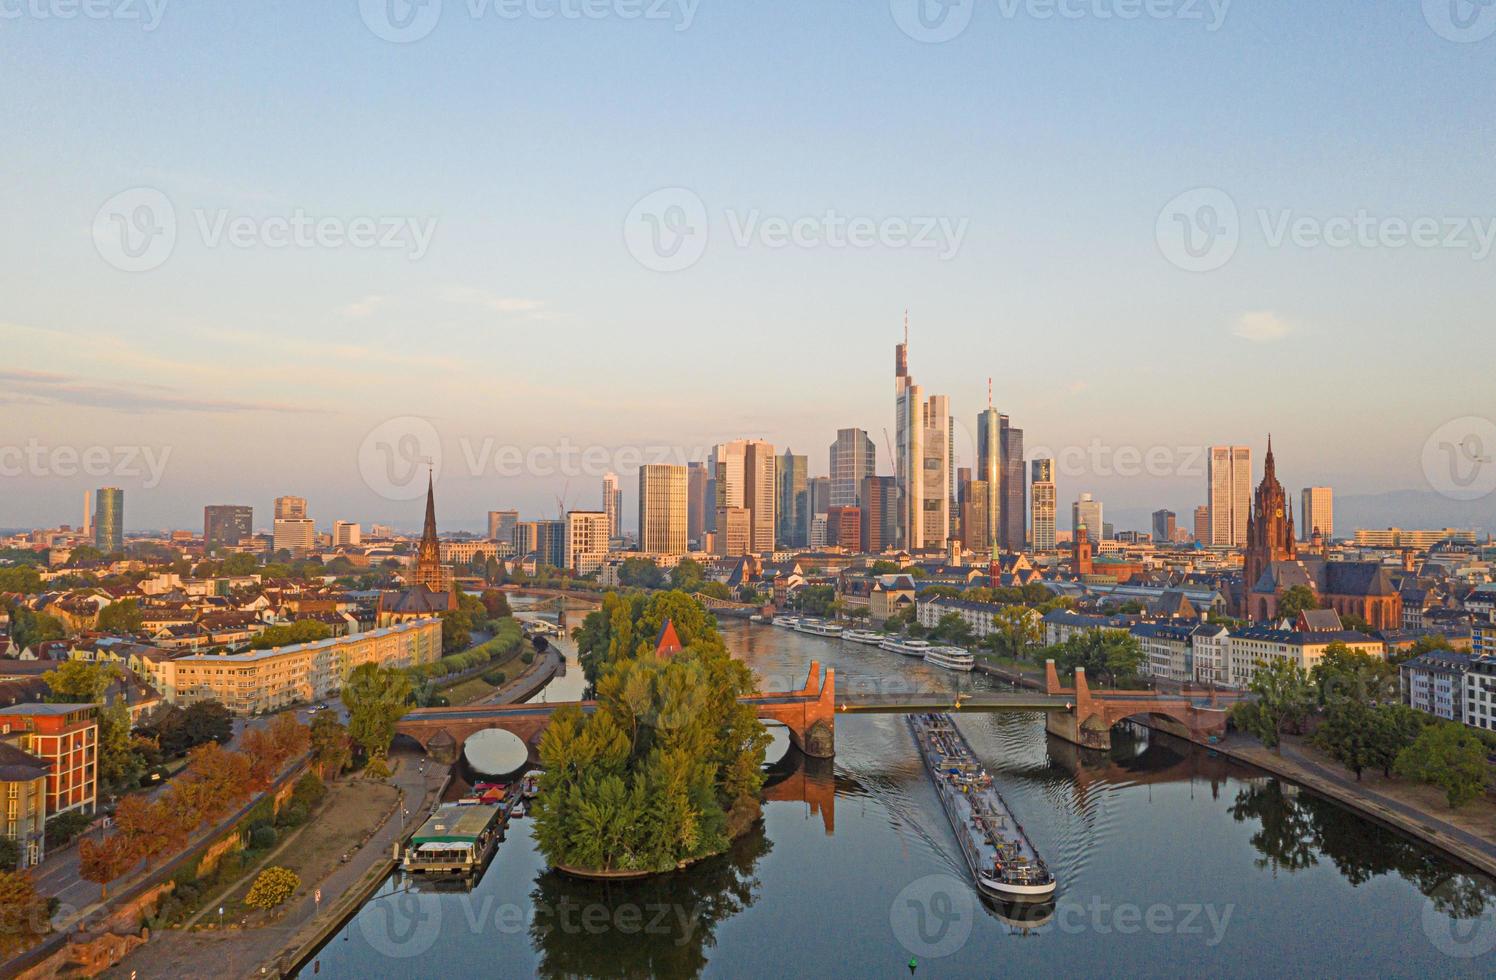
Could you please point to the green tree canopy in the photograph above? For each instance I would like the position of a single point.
(376, 698)
(1299, 598)
(124, 616)
(286, 634)
(1450, 757)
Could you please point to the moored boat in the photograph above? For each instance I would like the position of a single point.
(457, 839)
(787, 622)
(818, 627)
(951, 658)
(909, 648)
(870, 637)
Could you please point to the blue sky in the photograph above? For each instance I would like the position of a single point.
(528, 321)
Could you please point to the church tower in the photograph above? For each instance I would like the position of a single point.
(1270, 535)
(430, 571)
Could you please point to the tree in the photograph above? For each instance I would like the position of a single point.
(24, 579)
(1448, 756)
(124, 616)
(10, 854)
(242, 563)
(375, 697)
(103, 861)
(1344, 674)
(271, 888)
(815, 600)
(1283, 698)
(496, 604)
(301, 631)
(330, 745)
(79, 682)
(24, 909)
(1299, 598)
(1017, 630)
(207, 721)
(952, 628)
(120, 765)
(688, 575)
(641, 573)
(1109, 657)
(29, 628)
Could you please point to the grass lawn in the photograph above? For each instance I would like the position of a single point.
(468, 691)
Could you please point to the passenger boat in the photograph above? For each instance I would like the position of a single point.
(870, 637)
(788, 622)
(998, 852)
(909, 648)
(951, 658)
(457, 839)
(818, 627)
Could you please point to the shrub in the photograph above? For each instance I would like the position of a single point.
(271, 888)
(309, 791)
(494, 677)
(528, 657)
(293, 814)
(262, 837)
(65, 826)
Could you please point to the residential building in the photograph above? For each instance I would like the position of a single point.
(792, 478)
(296, 535)
(1317, 512)
(663, 509)
(1045, 506)
(23, 783)
(612, 503)
(1087, 513)
(346, 534)
(853, 458)
(290, 508)
(109, 519)
(818, 531)
(1229, 485)
(976, 615)
(1167, 649)
(880, 514)
(1478, 698)
(1434, 683)
(227, 524)
(66, 737)
(1255, 646)
(501, 525)
(586, 543)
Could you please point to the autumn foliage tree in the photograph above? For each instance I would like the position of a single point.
(23, 912)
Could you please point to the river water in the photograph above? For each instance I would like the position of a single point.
(1171, 861)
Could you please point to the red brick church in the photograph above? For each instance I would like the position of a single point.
(1273, 565)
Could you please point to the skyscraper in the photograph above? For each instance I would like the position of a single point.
(976, 520)
(550, 542)
(1086, 513)
(990, 471)
(226, 524)
(1046, 505)
(1164, 523)
(346, 534)
(744, 470)
(663, 509)
(818, 493)
(88, 514)
(501, 525)
(880, 514)
(1230, 495)
(699, 503)
(290, 508)
(937, 470)
(1202, 524)
(844, 527)
(109, 519)
(586, 541)
(1317, 512)
(853, 458)
(1012, 514)
(793, 479)
(909, 449)
(612, 503)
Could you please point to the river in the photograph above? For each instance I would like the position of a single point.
(1171, 861)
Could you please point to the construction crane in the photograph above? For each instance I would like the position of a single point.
(561, 500)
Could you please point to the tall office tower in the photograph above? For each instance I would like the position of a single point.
(1164, 523)
(346, 534)
(853, 458)
(501, 525)
(793, 481)
(109, 519)
(525, 538)
(227, 524)
(88, 514)
(909, 450)
(1230, 500)
(1202, 524)
(1045, 506)
(880, 514)
(709, 515)
(744, 470)
(699, 503)
(1086, 513)
(1012, 512)
(550, 542)
(612, 503)
(663, 509)
(844, 527)
(296, 535)
(990, 471)
(586, 543)
(818, 495)
(976, 521)
(734, 531)
(937, 471)
(290, 508)
(1317, 512)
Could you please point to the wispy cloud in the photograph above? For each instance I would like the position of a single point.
(1263, 327)
(37, 387)
(363, 307)
(508, 305)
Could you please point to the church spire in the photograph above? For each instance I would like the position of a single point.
(1269, 466)
(428, 533)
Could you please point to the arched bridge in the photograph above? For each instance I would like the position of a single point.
(1075, 714)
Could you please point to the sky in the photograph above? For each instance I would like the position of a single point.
(291, 248)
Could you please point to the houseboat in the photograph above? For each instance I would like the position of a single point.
(951, 658)
(457, 839)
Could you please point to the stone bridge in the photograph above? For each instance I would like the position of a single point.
(1089, 720)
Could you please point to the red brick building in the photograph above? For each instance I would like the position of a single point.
(66, 736)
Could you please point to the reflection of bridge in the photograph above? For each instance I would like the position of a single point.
(1074, 714)
(811, 782)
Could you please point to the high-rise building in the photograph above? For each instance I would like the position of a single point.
(109, 519)
(1045, 506)
(990, 472)
(525, 538)
(88, 514)
(1317, 512)
(793, 479)
(853, 458)
(346, 534)
(976, 520)
(909, 450)
(296, 535)
(1012, 513)
(586, 541)
(1230, 495)
(550, 543)
(734, 533)
(290, 508)
(663, 509)
(818, 492)
(612, 503)
(227, 524)
(1087, 513)
(1164, 523)
(818, 531)
(1202, 524)
(880, 514)
(501, 525)
(744, 471)
(844, 527)
(699, 502)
